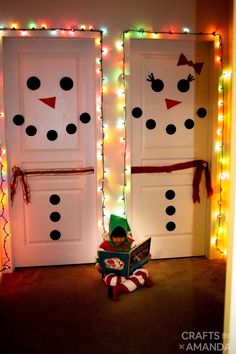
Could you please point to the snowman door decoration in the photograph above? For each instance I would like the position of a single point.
(172, 128)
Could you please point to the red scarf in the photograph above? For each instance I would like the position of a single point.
(200, 166)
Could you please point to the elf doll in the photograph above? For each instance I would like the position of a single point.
(119, 240)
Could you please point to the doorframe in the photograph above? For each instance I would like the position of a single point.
(216, 205)
(6, 251)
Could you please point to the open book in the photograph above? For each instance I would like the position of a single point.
(123, 263)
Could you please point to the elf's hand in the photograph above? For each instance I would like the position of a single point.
(98, 268)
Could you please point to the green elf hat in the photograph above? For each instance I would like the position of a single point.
(118, 221)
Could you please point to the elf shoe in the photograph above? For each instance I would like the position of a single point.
(110, 292)
(114, 291)
(148, 282)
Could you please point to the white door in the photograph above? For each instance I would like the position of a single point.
(50, 94)
(168, 121)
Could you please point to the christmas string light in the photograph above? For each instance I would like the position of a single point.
(125, 129)
(156, 35)
(220, 218)
(35, 28)
(219, 147)
(102, 82)
(4, 225)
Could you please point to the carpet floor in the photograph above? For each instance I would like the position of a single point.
(65, 310)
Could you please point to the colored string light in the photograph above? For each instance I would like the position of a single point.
(223, 175)
(102, 81)
(35, 28)
(4, 225)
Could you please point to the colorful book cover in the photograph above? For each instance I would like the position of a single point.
(123, 263)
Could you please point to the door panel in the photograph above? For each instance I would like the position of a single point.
(50, 91)
(168, 122)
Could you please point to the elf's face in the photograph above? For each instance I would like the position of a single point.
(118, 240)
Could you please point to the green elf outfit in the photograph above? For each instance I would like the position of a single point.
(116, 222)
(117, 284)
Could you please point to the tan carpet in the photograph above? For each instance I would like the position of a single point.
(65, 310)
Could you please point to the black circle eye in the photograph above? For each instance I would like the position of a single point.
(183, 85)
(157, 85)
(33, 83)
(66, 83)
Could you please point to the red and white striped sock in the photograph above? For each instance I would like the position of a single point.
(144, 273)
(125, 285)
(113, 279)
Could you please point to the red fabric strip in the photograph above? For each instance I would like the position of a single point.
(200, 165)
(60, 171)
(17, 174)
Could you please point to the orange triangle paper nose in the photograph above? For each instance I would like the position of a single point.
(171, 103)
(50, 101)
